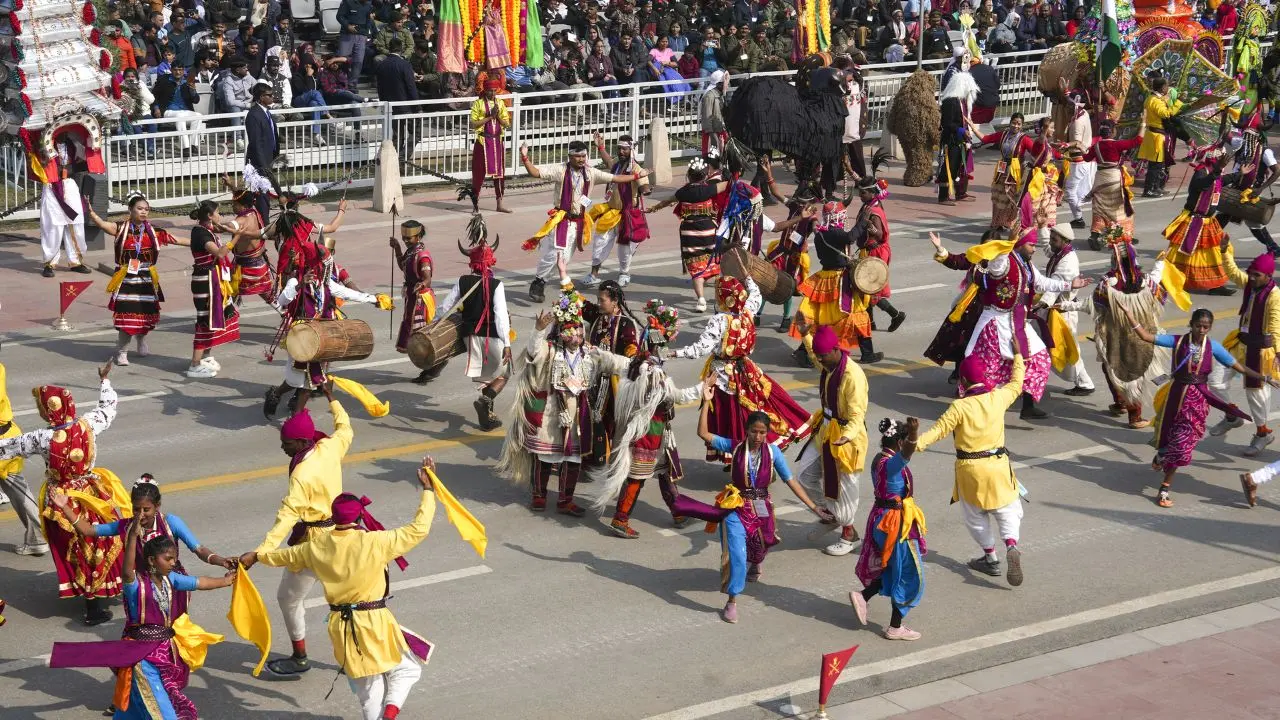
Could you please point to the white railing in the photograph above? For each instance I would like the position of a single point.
(434, 137)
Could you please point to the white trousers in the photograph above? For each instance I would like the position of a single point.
(809, 472)
(546, 269)
(292, 593)
(1008, 520)
(1079, 184)
(1259, 399)
(60, 234)
(604, 242)
(1077, 375)
(189, 123)
(1264, 474)
(376, 692)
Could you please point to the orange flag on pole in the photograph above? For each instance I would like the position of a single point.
(68, 292)
(832, 665)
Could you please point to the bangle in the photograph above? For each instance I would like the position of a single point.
(1137, 327)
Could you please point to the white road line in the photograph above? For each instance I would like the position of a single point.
(418, 582)
(982, 642)
(24, 664)
(129, 398)
(917, 288)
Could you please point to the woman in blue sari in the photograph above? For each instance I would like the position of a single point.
(663, 66)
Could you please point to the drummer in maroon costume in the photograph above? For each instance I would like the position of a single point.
(419, 300)
(875, 243)
(481, 301)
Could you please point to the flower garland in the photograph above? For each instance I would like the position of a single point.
(568, 310)
(664, 321)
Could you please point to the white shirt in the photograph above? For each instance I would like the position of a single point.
(1068, 270)
(555, 174)
(501, 320)
(709, 342)
(37, 441)
(336, 289)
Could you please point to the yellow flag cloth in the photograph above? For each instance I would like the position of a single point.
(114, 283)
(235, 282)
(1174, 281)
(118, 502)
(555, 219)
(970, 293)
(469, 528)
(248, 616)
(604, 218)
(1065, 352)
(372, 405)
(989, 250)
(37, 168)
(844, 455)
(729, 499)
(1035, 186)
(193, 641)
(428, 307)
(1157, 404)
(384, 302)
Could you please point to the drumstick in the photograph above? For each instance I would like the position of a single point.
(391, 316)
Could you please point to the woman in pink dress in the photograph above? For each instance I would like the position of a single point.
(663, 66)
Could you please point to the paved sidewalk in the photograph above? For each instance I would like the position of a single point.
(1222, 665)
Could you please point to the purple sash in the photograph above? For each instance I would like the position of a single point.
(1205, 203)
(759, 526)
(830, 385)
(1254, 307)
(566, 204)
(1184, 377)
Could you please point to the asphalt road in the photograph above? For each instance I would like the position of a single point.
(563, 620)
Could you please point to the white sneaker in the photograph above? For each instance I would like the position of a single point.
(1227, 423)
(591, 280)
(624, 280)
(32, 550)
(1258, 442)
(4, 499)
(841, 547)
(201, 371)
(318, 140)
(122, 358)
(143, 348)
(211, 363)
(701, 305)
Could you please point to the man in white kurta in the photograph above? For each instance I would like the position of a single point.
(62, 224)
(1064, 265)
(1081, 173)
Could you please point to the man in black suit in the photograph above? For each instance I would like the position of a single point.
(263, 142)
(395, 84)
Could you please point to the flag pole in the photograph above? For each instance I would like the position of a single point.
(822, 713)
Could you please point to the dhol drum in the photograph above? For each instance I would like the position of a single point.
(775, 286)
(329, 340)
(1258, 211)
(870, 275)
(435, 344)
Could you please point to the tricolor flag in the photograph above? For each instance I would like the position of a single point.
(68, 292)
(832, 665)
(1109, 48)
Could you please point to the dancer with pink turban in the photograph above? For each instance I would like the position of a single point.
(985, 487)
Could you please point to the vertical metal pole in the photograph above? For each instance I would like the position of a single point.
(920, 37)
(516, 116)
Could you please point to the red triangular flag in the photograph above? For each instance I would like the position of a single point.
(68, 293)
(832, 665)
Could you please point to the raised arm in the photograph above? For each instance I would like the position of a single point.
(107, 227)
(336, 222)
(391, 544)
(754, 299)
(707, 342)
(101, 417)
(708, 394)
(605, 157)
(529, 167)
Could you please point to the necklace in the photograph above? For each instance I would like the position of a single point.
(164, 597)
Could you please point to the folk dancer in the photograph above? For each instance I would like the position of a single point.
(871, 235)
(1007, 287)
(62, 212)
(1006, 183)
(695, 205)
(14, 485)
(1195, 236)
(836, 453)
(315, 481)
(985, 485)
(790, 252)
(1081, 173)
(164, 645)
(830, 297)
(613, 328)
(1252, 344)
(480, 300)
(1042, 181)
(551, 430)
(253, 272)
(87, 567)
(741, 387)
(1111, 199)
(949, 343)
(490, 119)
(1063, 324)
(1182, 405)
(744, 509)
(1156, 146)
(644, 444)
(620, 219)
(310, 291)
(955, 166)
(135, 287)
(1255, 169)
(568, 225)
(217, 318)
(381, 659)
(892, 558)
(414, 261)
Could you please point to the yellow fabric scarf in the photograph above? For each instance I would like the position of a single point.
(469, 529)
(555, 218)
(192, 641)
(372, 405)
(1065, 351)
(248, 616)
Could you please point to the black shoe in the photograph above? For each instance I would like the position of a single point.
(537, 290)
(99, 617)
(484, 414)
(82, 269)
(271, 402)
(293, 403)
(870, 358)
(801, 356)
(1095, 241)
(1031, 412)
(785, 325)
(986, 566)
(954, 377)
(1078, 224)
(1152, 193)
(48, 271)
(1224, 290)
(1079, 392)
(898, 319)
(289, 666)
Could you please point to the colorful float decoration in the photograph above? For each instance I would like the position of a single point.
(1202, 86)
(494, 33)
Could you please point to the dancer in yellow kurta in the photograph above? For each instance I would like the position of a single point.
(381, 659)
(1253, 345)
(985, 485)
(1160, 106)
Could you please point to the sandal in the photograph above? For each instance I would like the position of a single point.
(1163, 499)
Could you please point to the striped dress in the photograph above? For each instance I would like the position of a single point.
(217, 321)
(698, 222)
(135, 301)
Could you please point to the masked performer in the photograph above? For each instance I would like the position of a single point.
(381, 659)
(1183, 403)
(414, 261)
(644, 444)
(1252, 344)
(551, 432)
(135, 286)
(568, 225)
(490, 119)
(1160, 106)
(955, 167)
(481, 302)
(87, 567)
(1008, 285)
(1006, 184)
(1195, 235)
(620, 220)
(1111, 199)
(696, 207)
(892, 559)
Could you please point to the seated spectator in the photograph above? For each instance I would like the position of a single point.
(1027, 28)
(571, 71)
(168, 60)
(394, 30)
(592, 36)
(1003, 38)
(895, 41)
(128, 60)
(662, 65)
(334, 81)
(600, 69)
(738, 54)
(233, 91)
(866, 21)
(206, 69)
(688, 64)
(676, 39)
(423, 62)
(281, 89)
(625, 21)
(254, 56)
(985, 18)
(648, 18)
(1049, 30)
(937, 43)
(628, 61)
(176, 99)
(770, 61)
(710, 51)
(135, 111)
(1077, 21)
(305, 87)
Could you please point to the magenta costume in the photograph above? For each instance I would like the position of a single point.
(1181, 421)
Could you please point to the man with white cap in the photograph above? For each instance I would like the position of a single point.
(1064, 265)
(711, 112)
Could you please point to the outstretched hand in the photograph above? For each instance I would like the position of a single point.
(1081, 281)
(543, 320)
(424, 472)
(936, 240)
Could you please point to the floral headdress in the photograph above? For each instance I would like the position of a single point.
(664, 322)
(568, 310)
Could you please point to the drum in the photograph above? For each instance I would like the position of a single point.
(775, 286)
(1061, 62)
(1256, 212)
(434, 344)
(870, 275)
(329, 340)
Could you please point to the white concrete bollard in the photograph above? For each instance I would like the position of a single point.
(387, 191)
(658, 156)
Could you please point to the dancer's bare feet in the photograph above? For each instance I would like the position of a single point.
(503, 208)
